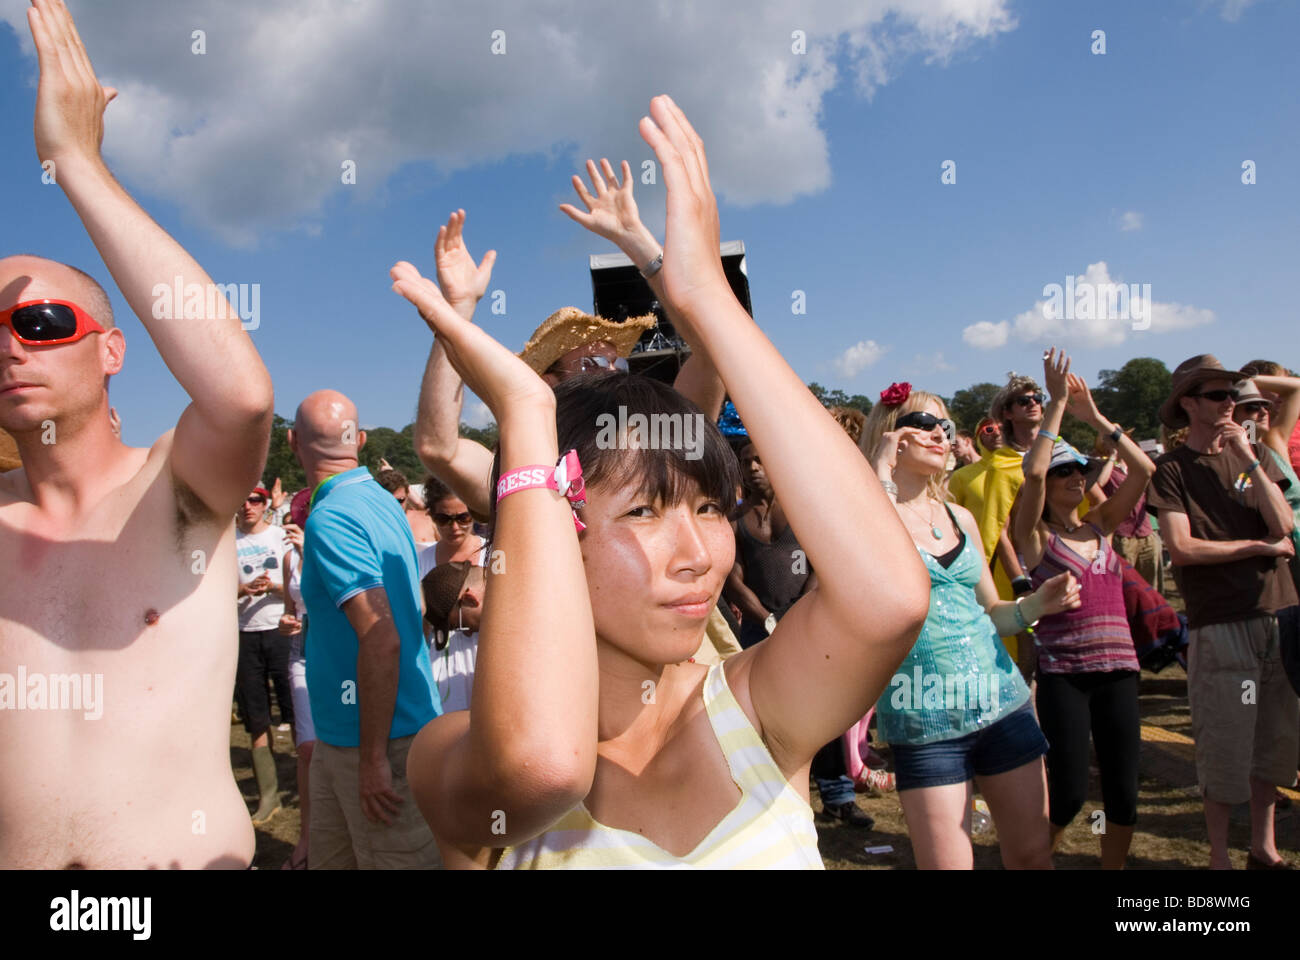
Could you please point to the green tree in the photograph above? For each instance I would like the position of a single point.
(280, 461)
(968, 407)
(838, 398)
(1131, 395)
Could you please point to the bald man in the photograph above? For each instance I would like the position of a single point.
(368, 672)
(116, 626)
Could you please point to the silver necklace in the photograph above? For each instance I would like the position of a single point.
(934, 527)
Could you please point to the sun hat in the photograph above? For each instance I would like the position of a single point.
(569, 328)
(1248, 392)
(442, 586)
(1064, 452)
(1187, 376)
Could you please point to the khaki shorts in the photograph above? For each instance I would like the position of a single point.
(343, 838)
(1245, 716)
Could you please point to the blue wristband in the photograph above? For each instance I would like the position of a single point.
(1054, 437)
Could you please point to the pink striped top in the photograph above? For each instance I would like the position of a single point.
(1096, 636)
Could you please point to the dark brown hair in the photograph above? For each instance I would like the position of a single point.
(664, 476)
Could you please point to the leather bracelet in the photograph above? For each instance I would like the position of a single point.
(1116, 433)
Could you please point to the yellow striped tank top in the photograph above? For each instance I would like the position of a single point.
(771, 827)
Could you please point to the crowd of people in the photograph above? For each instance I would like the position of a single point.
(584, 649)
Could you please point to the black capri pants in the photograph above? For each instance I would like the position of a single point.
(263, 654)
(1070, 705)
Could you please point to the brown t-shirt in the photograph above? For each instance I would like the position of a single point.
(1200, 485)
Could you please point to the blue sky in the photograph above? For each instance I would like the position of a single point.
(828, 165)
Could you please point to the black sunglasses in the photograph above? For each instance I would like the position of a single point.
(1063, 470)
(1034, 398)
(1218, 396)
(446, 518)
(927, 421)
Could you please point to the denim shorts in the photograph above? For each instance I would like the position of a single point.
(1011, 742)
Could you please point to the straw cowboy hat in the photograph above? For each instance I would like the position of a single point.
(569, 328)
(9, 459)
(1187, 376)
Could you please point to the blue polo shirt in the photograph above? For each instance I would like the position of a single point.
(356, 539)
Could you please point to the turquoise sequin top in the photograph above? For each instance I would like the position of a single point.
(958, 677)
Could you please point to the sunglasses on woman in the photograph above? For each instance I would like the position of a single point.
(44, 323)
(442, 519)
(927, 422)
(1034, 398)
(1061, 471)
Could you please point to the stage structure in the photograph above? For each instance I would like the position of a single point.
(619, 291)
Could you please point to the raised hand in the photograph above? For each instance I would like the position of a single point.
(69, 100)
(1056, 367)
(277, 495)
(612, 213)
(692, 267)
(496, 375)
(885, 457)
(1080, 403)
(1058, 594)
(462, 282)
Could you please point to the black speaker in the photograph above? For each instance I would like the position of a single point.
(618, 291)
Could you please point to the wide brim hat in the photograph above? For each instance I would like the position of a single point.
(1187, 376)
(442, 586)
(1248, 392)
(569, 328)
(9, 459)
(1065, 452)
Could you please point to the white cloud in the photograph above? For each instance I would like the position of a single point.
(1231, 10)
(477, 415)
(1089, 310)
(1131, 220)
(985, 335)
(932, 363)
(858, 357)
(251, 135)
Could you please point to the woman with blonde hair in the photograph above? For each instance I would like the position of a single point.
(957, 711)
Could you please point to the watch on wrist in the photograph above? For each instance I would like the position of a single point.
(1022, 585)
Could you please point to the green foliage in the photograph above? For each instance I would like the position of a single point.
(395, 446)
(280, 461)
(968, 407)
(1131, 395)
(838, 398)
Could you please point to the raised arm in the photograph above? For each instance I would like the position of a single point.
(838, 646)
(1282, 423)
(1138, 466)
(1027, 532)
(482, 778)
(221, 440)
(612, 214)
(462, 464)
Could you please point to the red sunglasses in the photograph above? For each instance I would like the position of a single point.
(44, 323)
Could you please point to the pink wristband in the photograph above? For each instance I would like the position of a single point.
(565, 476)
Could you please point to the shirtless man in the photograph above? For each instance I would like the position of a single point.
(120, 561)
